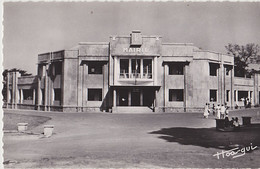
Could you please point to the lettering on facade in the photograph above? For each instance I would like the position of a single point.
(135, 50)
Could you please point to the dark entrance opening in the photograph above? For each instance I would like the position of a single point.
(135, 97)
(123, 98)
(148, 98)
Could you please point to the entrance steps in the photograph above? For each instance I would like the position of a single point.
(132, 109)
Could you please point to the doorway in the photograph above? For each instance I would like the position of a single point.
(135, 98)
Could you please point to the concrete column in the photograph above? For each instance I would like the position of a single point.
(16, 89)
(249, 94)
(13, 90)
(129, 98)
(165, 93)
(223, 82)
(79, 86)
(116, 73)
(34, 96)
(52, 96)
(7, 90)
(185, 88)
(21, 96)
(141, 68)
(256, 91)
(45, 88)
(114, 97)
(84, 96)
(39, 93)
(155, 70)
(141, 97)
(232, 88)
(50, 92)
(11, 96)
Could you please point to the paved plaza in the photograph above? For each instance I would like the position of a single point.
(104, 140)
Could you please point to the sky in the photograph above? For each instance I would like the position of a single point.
(31, 28)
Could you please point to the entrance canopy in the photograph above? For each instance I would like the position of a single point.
(135, 95)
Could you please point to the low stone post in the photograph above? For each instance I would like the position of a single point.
(48, 129)
(22, 127)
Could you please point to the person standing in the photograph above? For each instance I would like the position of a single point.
(213, 110)
(206, 111)
(218, 111)
(222, 112)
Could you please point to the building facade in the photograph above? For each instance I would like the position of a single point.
(130, 73)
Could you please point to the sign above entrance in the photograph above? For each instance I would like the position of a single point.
(135, 50)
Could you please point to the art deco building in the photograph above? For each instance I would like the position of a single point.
(131, 73)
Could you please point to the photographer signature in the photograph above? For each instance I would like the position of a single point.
(235, 152)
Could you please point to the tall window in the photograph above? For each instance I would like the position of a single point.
(213, 95)
(242, 95)
(213, 67)
(235, 95)
(27, 94)
(175, 94)
(176, 68)
(94, 68)
(43, 96)
(147, 68)
(124, 68)
(94, 94)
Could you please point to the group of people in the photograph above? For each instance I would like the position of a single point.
(220, 112)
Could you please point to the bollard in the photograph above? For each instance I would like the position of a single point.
(257, 114)
(246, 120)
(22, 127)
(48, 129)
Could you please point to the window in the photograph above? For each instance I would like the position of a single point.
(227, 95)
(27, 94)
(57, 94)
(242, 95)
(213, 95)
(175, 94)
(94, 68)
(213, 67)
(124, 68)
(147, 68)
(43, 96)
(136, 67)
(176, 68)
(94, 94)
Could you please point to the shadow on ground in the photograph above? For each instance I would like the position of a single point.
(210, 137)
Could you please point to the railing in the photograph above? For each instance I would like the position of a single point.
(135, 76)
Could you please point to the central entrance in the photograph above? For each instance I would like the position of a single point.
(135, 97)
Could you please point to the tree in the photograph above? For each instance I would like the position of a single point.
(243, 55)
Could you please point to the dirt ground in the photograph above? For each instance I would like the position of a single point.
(103, 140)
